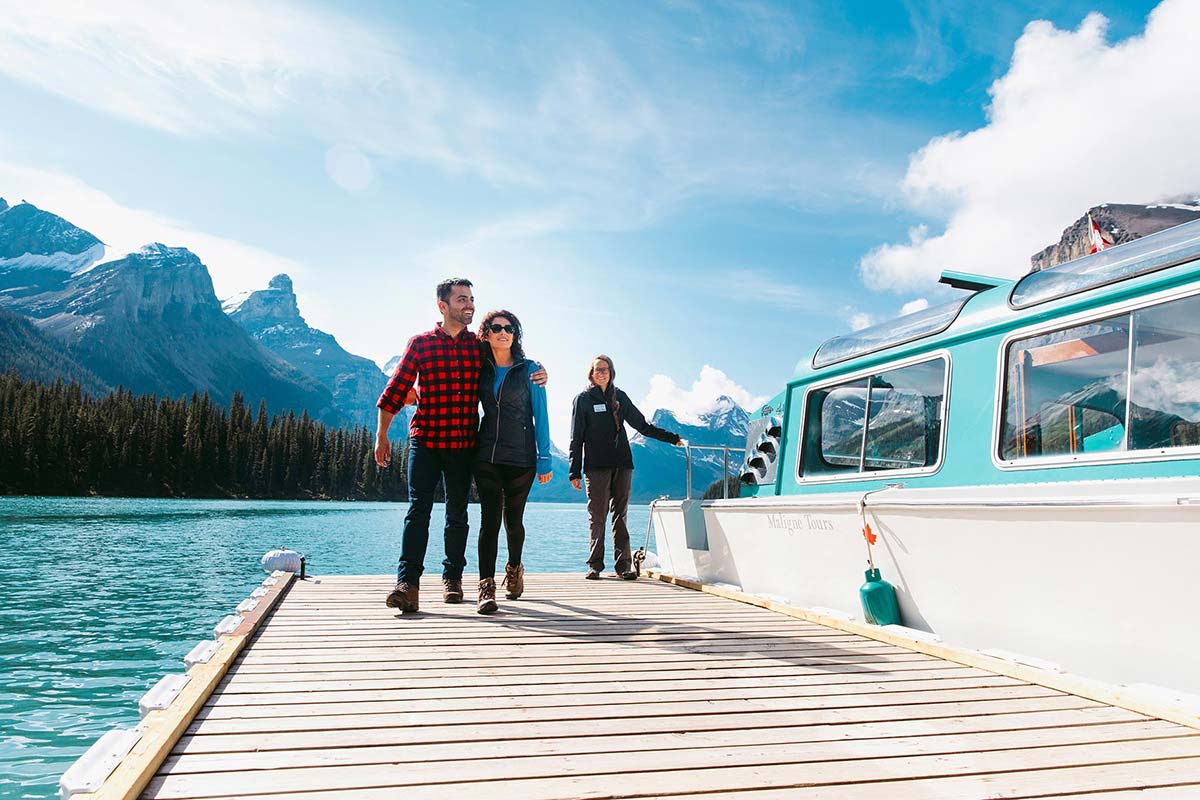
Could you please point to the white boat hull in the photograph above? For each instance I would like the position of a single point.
(1093, 577)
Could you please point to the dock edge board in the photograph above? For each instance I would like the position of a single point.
(1099, 691)
(161, 729)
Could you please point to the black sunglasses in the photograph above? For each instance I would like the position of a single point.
(494, 328)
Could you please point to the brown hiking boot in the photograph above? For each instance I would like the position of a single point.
(451, 590)
(514, 581)
(404, 597)
(487, 596)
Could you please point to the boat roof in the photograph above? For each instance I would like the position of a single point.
(1143, 265)
(1147, 254)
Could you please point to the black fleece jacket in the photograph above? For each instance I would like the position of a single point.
(597, 441)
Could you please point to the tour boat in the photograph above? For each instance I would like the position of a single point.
(1025, 458)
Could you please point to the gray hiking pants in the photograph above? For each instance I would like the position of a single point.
(608, 491)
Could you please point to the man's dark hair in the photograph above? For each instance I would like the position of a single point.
(447, 286)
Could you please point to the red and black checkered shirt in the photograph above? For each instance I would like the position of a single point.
(445, 372)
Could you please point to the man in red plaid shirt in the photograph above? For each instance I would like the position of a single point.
(442, 365)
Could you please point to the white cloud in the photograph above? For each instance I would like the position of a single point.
(689, 404)
(1075, 122)
(622, 133)
(233, 265)
(860, 320)
(912, 306)
(180, 66)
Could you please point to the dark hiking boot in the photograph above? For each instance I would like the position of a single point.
(487, 596)
(451, 590)
(404, 597)
(592, 575)
(629, 575)
(514, 581)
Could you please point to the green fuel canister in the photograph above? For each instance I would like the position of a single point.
(879, 600)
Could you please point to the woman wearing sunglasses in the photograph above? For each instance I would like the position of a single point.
(600, 454)
(514, 445)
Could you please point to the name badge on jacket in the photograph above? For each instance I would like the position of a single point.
(599, 407)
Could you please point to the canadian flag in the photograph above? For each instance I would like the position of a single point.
(1096, 239)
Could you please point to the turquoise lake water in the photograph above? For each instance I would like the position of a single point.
(101, 597)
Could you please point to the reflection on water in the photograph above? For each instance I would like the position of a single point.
(100, 597)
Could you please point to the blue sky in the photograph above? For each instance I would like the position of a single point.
(681, 185)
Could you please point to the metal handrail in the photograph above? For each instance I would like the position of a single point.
(639, 557)
(688, 448)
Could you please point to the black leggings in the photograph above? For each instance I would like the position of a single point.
(503, 490)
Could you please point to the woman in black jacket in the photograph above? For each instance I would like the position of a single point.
(513, 445)
(600, 455)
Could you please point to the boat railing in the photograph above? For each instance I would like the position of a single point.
(688, 448)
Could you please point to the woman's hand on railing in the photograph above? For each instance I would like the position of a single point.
(682, 442)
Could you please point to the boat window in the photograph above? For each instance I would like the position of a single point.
(1070, 391)
(904, 431)
(889, 334)
(1156, 251)
(1165, 389)
(1065, 391)
(835, 445)
(889, 421)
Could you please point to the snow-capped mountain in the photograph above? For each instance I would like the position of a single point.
(149, 322)
(272, 317)
(35, 240)
(660, 468)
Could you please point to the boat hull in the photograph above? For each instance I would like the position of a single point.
(1085, 576)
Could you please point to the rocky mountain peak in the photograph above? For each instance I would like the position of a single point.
(155, 282)
(266, 308)
(158, 254)
(31, 238)
(272, 318)
(1119, 223)
(281, 282)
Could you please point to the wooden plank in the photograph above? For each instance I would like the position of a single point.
(499, 626)
(1050, 746)
(1117, 723)
(709, 773)
(289, 640)
(450, 652)
(220, 734)
(1161, 793)
(1174, 779)
(315, 677)
(440, 714)
(388, 729)
(280, 675)
(513, 702)
(634, 662)
(620, 684)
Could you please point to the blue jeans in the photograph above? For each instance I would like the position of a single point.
(427, 467)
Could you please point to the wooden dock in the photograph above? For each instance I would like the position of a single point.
(636, 689)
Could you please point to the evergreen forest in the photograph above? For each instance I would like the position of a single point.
(58, 440)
